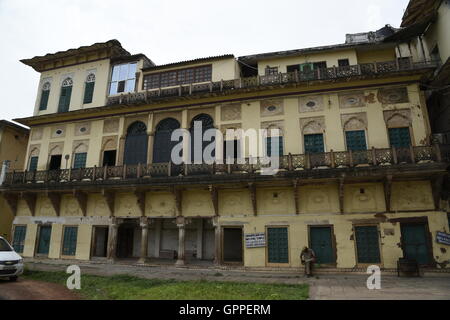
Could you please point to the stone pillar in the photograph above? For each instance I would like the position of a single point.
(144, 241)
(200, 239)
(157, 237)
(121, 150)
(150, 140)
(112, 241)
(217, 242)
(181, 244)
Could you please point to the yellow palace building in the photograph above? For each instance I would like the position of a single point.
(359, 180)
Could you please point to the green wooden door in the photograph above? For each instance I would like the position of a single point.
(19, 238)
(367, 245)
(278, 246)
(313, 143)
(44, 239)
(399, 137)
(276, 142)
(356, 140)
(414, 243)
(70, 241)
(322, 244)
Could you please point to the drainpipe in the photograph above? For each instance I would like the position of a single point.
(5, 166)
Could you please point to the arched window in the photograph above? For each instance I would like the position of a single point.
(44, 96)
(136, 144)
(66, 93)
(162, 147)
(207, 122)
(89, 88)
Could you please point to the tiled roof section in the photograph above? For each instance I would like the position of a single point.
(6, 123)
(147, 62)
(114, 45)
(187, 62)
(417, 10)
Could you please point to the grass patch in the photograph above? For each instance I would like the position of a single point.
(124, 287)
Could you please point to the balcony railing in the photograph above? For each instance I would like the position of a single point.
(366, 69)
(327, 160)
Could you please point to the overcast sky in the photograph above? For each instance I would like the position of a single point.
(169, 31)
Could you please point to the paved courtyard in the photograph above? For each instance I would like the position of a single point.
(322, 287)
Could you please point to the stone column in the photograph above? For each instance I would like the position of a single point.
(157, 237)
(217, 242)
(121, 150)
(181, 245)
(144, 241)
(150, 140)
(112, 241)
(200, 239)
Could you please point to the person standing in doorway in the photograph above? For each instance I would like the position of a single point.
(308, 257)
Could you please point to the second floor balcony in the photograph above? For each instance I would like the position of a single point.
(302, 165)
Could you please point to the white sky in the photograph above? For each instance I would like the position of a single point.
(169, 31)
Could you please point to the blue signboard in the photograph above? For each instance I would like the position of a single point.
(442, 237)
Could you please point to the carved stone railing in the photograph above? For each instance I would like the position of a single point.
(326, 160)
(366, 69)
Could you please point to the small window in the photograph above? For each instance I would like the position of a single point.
(33, 163)
(44, 96)
(55, 162)
(293, 68)
(343, 63)
(19, 238)
(271, 70)
(109, 158)
(79, 160)
(89, 89)
(123, 78)
(66, 94)
(70, 241)
(320, 65)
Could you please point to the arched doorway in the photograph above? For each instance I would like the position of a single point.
(162, 147)
(207, 123)
(136, 144)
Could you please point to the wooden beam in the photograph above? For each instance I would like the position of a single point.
(437, 184)
(140, 195)
(11, 199)
(387, 192)
(341, 195)
(215, 199)
(55, 200)
(178, 195)
(252, 188)
(82, 199)
(296, 184)
(110, 199)
(30, 200)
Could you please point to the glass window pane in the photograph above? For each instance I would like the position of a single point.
(132, 70)
(80, 160)
(113, 89)
(123, 72)
(130, 85)
(115, 73)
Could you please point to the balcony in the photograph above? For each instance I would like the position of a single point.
(334, 73)
(307, 164)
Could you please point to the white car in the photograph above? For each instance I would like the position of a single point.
(11, 264)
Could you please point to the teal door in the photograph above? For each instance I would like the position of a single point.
(399, 137)
(356, 140)
(367, 245)
(313, 143)
(44, 240)
(70, 241)
(321, 243)
(19, 238)
(278, 245)
(414, 243)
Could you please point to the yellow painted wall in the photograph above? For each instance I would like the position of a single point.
(84, 242)
(30, 240)
(56, 241)
(6, 219)
(438, 33)
(13, 144)
(371, 56)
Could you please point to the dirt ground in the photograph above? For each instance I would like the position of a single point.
(24, 289)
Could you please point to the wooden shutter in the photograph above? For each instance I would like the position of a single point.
(64, 99)
(33, 163)
(399, 137)
(70, 241)
(88, 92)
(19, 238)
(278, 246)
(314, 143)
(321, 243)
(367, 245)
(44, 99)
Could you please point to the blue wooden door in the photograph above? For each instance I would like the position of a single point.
(44, 239)
(70, 241)
(367, 245)
(414, 243)
(321, 243)
(278, 245)
(399, 137)
(136, 144)
(19, 238)
(313, 143)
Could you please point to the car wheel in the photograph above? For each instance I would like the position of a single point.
(13, 278)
